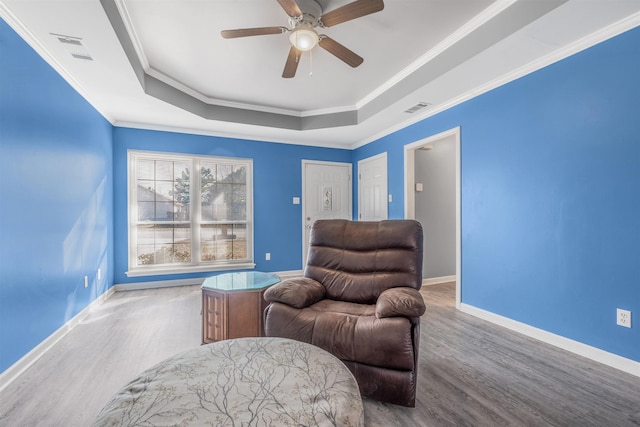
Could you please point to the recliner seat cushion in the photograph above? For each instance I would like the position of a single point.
(349, 331)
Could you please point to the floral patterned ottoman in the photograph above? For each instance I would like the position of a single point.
(246, 381)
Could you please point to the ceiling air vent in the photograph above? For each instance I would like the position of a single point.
(74, 46)
(418, 106)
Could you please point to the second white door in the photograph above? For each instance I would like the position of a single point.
(372, 188)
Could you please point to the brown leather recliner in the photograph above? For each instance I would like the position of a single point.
(359, 300)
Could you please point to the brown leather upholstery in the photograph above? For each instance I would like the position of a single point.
(359, 300)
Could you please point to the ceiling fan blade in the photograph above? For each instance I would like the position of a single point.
(291, 66)
(339, 51)
(351, 11)
(290, 7)
(247, 32)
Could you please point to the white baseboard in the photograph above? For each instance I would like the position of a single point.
(290, 274)
(19, 367)
(158, 284)
(438, 280)
(186, 282)
(593, 353)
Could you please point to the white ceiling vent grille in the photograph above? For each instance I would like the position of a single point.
(418, 106)
(74, 46)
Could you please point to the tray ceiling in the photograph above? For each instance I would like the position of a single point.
(163, 64)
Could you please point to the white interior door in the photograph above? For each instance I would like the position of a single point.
(372, 188)
(326, 195)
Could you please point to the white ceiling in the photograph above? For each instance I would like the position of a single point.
(437, 51)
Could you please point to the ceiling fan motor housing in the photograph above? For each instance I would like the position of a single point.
(311, 13)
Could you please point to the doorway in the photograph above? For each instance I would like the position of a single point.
(326, 194)
(448, 137)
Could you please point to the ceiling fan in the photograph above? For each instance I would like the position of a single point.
(304, 17)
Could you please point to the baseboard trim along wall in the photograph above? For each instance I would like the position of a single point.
(15, 370)
(290, 274)
(584, 350)
(438, 280)
(187, 282)
(156, 284)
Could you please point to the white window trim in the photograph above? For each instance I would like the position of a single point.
(132, 208)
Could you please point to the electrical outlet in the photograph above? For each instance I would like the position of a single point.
(267, 256)
(86, 281)
(623, 318)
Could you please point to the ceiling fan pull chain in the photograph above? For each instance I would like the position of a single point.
(310, 63)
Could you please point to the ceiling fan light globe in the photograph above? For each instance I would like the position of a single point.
(304, 39)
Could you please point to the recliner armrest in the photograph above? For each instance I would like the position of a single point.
(394, 302)
(299, 292)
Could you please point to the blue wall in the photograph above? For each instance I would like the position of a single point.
(56, 198)
(277, 178)
(550, 194)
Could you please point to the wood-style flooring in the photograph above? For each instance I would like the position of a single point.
(471, 373)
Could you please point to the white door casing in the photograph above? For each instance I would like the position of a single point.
(326, 194)
(409, 189)
(372, 188)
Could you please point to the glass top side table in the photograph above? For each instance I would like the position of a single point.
(233, 304)
(245, 280)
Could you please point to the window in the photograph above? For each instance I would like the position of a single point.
(180, 221)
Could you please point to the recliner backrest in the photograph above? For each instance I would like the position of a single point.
(358, 260)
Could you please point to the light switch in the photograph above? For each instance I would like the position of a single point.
(296, 200)
(419, 186)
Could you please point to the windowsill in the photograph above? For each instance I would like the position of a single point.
(157, 271)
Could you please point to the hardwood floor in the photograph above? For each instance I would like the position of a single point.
(471, 372)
